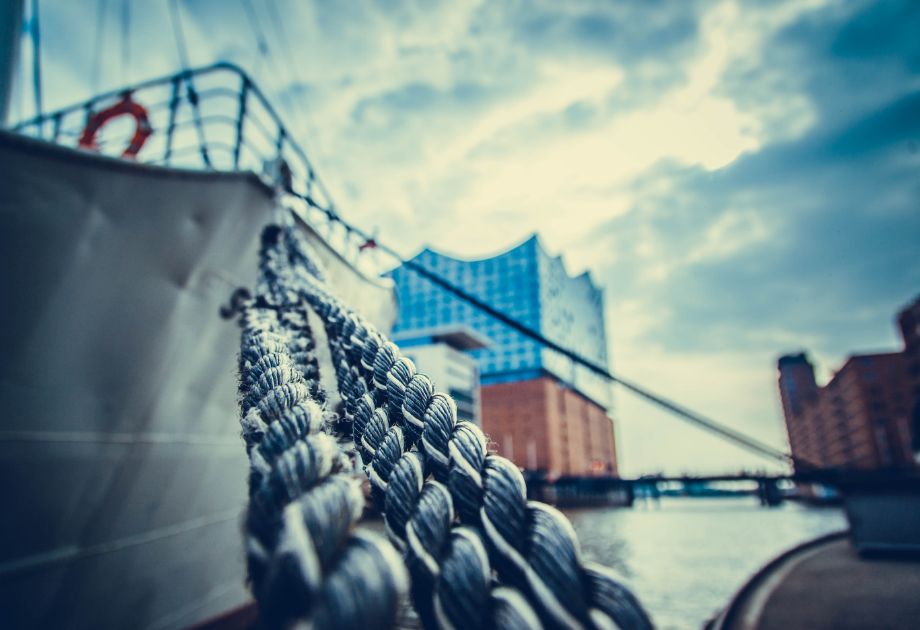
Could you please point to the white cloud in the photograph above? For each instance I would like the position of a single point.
(731, 232)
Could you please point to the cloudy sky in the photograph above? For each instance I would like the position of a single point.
(741, 177)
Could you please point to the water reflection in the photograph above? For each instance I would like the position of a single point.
(685, 557)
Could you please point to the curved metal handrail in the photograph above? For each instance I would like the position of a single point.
(63, 126)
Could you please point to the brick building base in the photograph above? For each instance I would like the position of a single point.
(541, 425)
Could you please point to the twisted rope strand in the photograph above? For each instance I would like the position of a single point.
(305, 561)
(452, 583)
(532, 545)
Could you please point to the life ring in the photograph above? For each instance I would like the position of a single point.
(125, 106)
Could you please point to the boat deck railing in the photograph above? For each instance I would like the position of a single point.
(211, 118)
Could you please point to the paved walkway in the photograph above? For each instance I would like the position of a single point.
(830, 586)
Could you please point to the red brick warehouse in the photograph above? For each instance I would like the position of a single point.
(866, 416)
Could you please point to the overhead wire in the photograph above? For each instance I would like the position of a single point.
(711, 425)
(261, 43)
(175, 16)
(697, 419)
(256, 27)
(35, 31)
(18, 78)
(178, 34)
(275, 17)
(302, 114)
(125, 40)
(101, 13)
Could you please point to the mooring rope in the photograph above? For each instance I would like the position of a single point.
(479, 554)
(306, 562)
(452, 582)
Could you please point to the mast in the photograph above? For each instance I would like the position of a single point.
(10, 30)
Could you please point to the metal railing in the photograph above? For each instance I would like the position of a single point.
(213, 118)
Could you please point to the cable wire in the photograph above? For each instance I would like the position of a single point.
(182, 50)
(101, 10)
(303, 117)
(178, 34)
(710, 425)
(275, 17)
(697, 419)
(256, 27)
(125, 40)
(36, 59)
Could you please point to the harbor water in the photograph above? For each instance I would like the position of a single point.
(686, 557)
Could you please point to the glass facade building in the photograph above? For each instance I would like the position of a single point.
(531, 287)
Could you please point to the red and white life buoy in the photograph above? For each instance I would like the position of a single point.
(124, 107)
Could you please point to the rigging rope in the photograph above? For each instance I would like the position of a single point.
(305, 559)
(35, 31)
(178, 34)
(278, 23)
(301, 111)
(261, 41)
(175, 16)
(672, 407)
(125, 39)
(101, 6)
(479, 554)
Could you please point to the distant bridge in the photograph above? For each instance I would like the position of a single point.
(571, 490)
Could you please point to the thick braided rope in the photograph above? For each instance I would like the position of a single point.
(305, 560)
(456, 452)
(532, 545)
(452, 579)
(452, 583)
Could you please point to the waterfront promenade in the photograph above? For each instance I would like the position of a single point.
(826, 584)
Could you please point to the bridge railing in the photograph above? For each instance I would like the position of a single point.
(211, 118)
